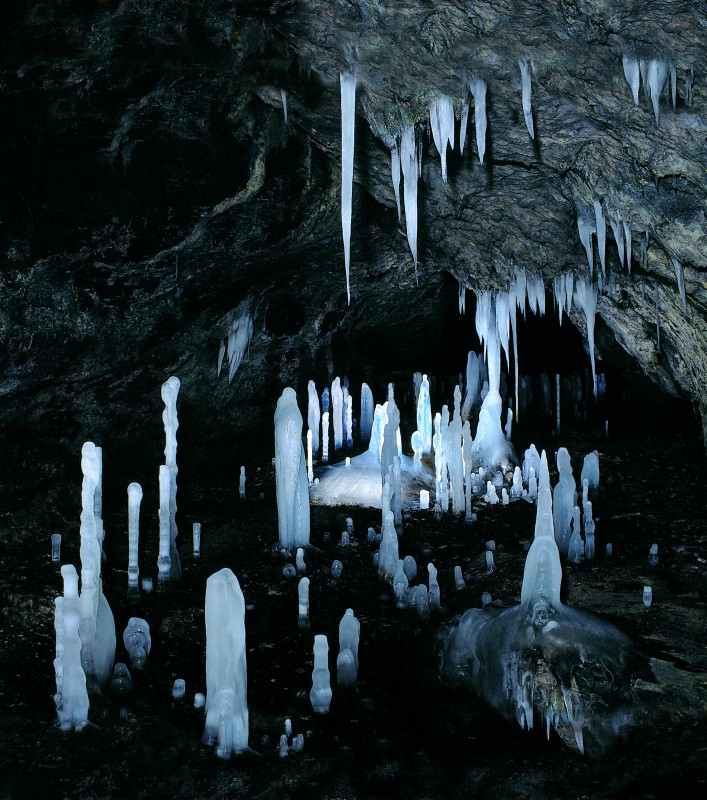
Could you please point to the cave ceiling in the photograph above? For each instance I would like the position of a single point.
(153, 191)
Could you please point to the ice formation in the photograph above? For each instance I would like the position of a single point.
(563, 501)
(424, 415)
(313, 414)
(478, 90)
(590, 470)
(71, 699)
(366, 423)
(617, 228)
(164, 559)
(241, 484)
(134, 500)
(526, 95)
(170, 390)
(97, 627)
(290, 473)
(410, 164)
(348, 119)
(56, 547)
(681, 284)
(337, 411)
(320, 695)
(303, 602)
(633, 76)
(347, 661)
(463, 125)
(462, 297)
(226, 676)
(442, 125)
(395, 176)
(657, 73)
(137, 641)
(348, 418)
(283, 97)
(601, 233)
(586, 227)
(325, 437)
(240, 333)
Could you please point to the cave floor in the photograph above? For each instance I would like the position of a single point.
(400, 732)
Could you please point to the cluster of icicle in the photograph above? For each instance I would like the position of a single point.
(653, 74)
(234, 347)
(406, 149)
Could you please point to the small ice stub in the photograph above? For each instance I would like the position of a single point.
(647, 597)
(137, 641)
(590, 470)
(241, 484)
(320, 694)
(336, 568)
(424, 499)
(121, 684)
(459, 582)
(179, 689)
(299, 560)
(292, 487)
(226, 672)
(347, 660)
(303, 602)
(56, 547)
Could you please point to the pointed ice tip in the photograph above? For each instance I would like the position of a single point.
(579, 737)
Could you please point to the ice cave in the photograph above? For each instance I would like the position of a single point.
(353, 401)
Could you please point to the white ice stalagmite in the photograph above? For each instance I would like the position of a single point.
(71, 700)
(313, 414)
(442, 125)
(366, 423)
(345, 430)
(478, 90)
(388, 554)
(380, 420)
(291, 484)
(681, 284)
(563, 501)
(337, 411)
(410, 164)
(97, 627)
(585, 296)
(657, 73)
(164, 559)
(170, 390)
(348, 119)
(349, 421)
(226, 670)
(590, 470)
(134, 500)
(633, 76)
(586, 227)
(424, 415)
(320, 695)
(395, 176)
(303, 603)
(455, 461)
(325, 437)
(525, 89)
(137, 641)
(310, 458)
(347, 661)
(98, 501)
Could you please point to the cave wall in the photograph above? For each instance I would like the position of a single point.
(154, 191)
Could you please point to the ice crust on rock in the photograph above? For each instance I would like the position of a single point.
(291, 484)
(226, 673)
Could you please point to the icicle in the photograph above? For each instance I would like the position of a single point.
(409, 162)
(348, 118)
(585, 297)
(502, 322)
(513, 303)
(657, 73)
(283, 95)
(633, 76)
(463, 126)
(395, 174)
(618, 231)
(462, 296)
(673, 85)
(442, 124)
(681, 284)
(558, 289)
(586, 227)
(627, 238)
(601, 234)
(525, 92)
(569, 291)
(521, 289)
(221, 354)
(478, 90)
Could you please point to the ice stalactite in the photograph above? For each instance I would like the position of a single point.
(601, 234)
(563, 288)
(617, 229)
(348, 118)
(514, 303)
(463, 126)
(283, 95)
(657, 73)
(627, 240)
(526, 95)
(240, 332)
(442, 124)
(585, 297)
(134, 500)
(633, 76)
(226, 672)
(586, 227)
(395, 176)
(478, 90)
(681, 284)
(462, 296)
(673, 85)
(410, 165)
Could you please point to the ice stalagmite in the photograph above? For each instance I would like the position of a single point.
(585, 296)
(313, 414)
(226, 672)
(170, 390)
(478, 90)
(471, 395)
(134, 500)
(337, 411)
(442, 124)
(526, 94)
(291, 485)
(633, 76)
(410, 165)
(72, 698)
(348, 117)
(395, 175)
(424, 415)
(366, 422)
(601, 234)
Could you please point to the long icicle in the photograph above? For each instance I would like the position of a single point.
(348, 118)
